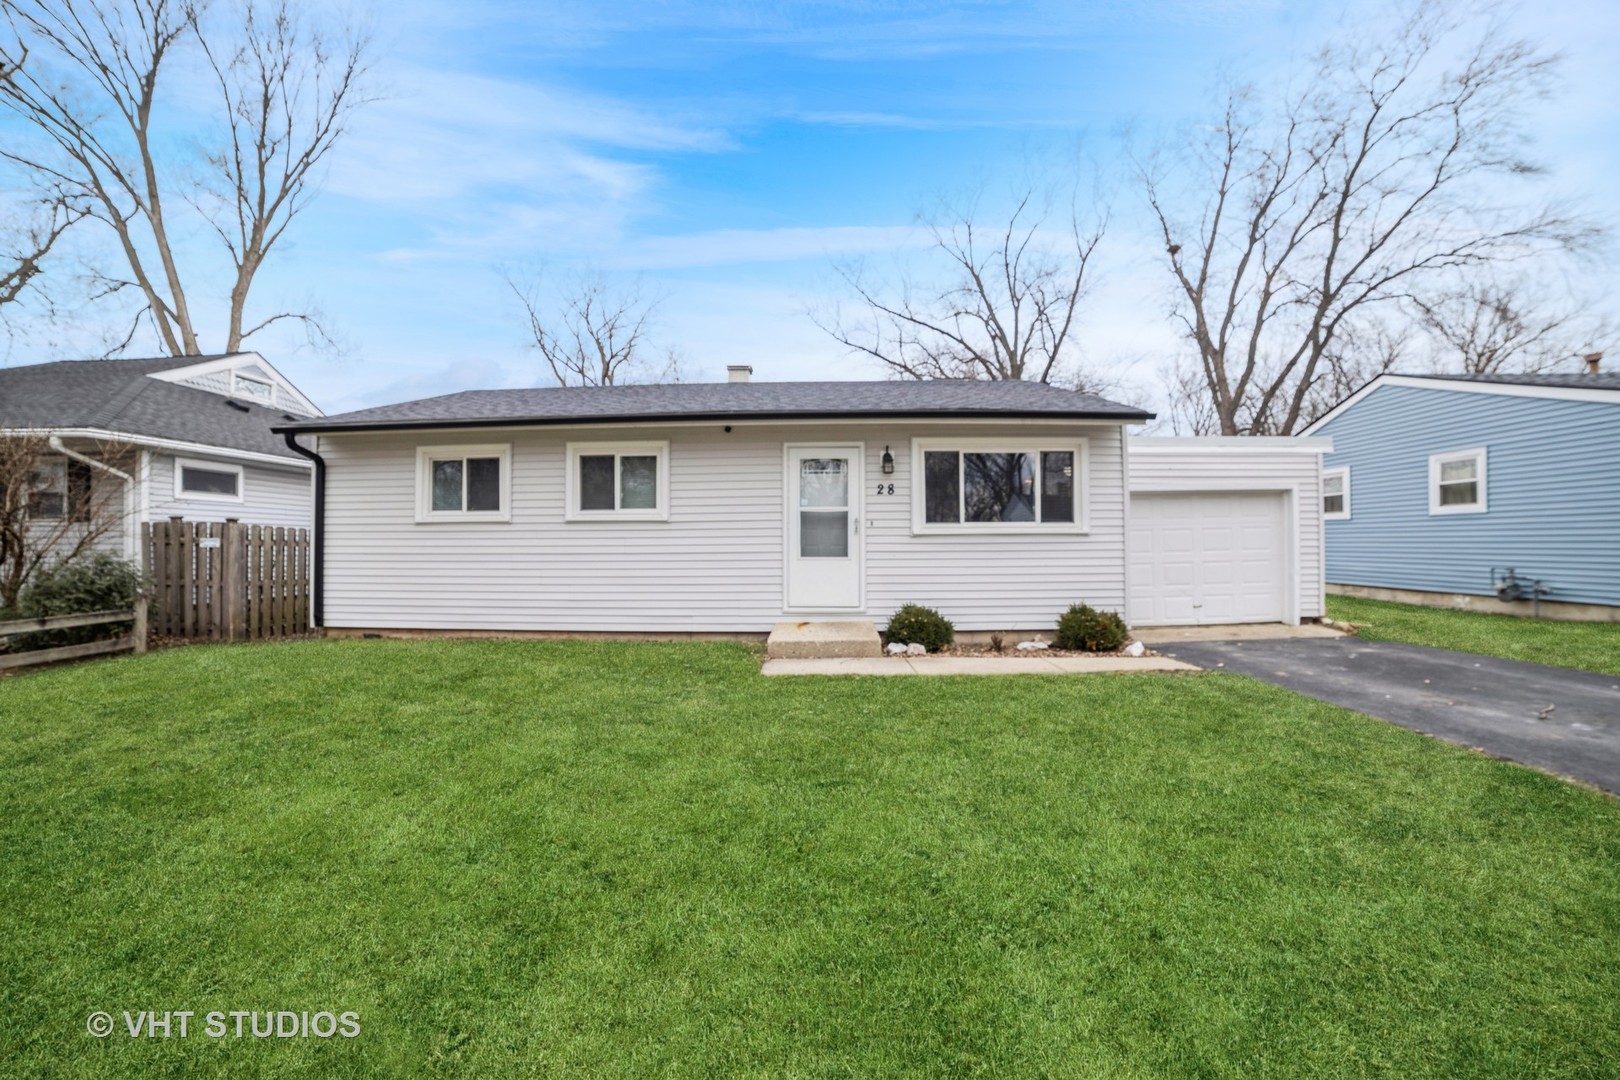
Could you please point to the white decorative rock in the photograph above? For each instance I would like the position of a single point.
(896, 648)
(915, 649)
(1032, 646)
(1135, 648)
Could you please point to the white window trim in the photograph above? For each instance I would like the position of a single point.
(1340, 515)
(425, 514)
(572, 494)
(182, 495)
(1081, 524)
(1437, 460)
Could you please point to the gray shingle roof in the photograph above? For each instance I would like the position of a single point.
(116, 395)
(729, 401)
(1602, 380)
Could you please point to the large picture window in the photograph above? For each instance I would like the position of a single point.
(618, 481)
(464, 483)
(1010, 485)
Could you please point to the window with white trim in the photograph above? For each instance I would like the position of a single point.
(1335, 494)
(998, 485)
(1457, 482)
(256, 389)
(210, 481)
(626, 481)
(464, 483)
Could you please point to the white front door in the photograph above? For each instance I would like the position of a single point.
(824, 528)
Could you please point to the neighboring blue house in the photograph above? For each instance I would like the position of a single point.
(1440, 484)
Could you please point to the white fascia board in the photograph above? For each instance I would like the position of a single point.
(151, 442)
(235, 360)
(460, 431)
(1562, 393)
(1231, 444)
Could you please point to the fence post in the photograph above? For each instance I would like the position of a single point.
(231, 549)
(139, 631)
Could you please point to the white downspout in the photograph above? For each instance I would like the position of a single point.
(131, 549)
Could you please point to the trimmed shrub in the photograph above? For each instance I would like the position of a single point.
(1086, 629)
(102, 582)
(918, 625)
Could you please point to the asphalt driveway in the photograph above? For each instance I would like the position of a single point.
(1553, 718)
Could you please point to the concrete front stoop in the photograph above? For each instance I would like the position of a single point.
(823, 640)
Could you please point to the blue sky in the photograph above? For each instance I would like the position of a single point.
(730, 152)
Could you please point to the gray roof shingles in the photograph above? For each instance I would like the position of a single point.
(1601, 380)
(723, 401)
(116, 395)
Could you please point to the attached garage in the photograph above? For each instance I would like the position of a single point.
(1224, 531)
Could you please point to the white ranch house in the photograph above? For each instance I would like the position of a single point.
(726, 508)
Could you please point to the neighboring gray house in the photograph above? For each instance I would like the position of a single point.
(726, 508)
(1437, 486)
(179, 436)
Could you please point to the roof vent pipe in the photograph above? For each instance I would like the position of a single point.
(738, 372)
(1593, 359)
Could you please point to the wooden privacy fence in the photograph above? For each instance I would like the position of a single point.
(226, 581)
(135, 640)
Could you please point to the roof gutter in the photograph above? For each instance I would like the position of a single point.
(156, 442)
(131, 550)
(317, 607)
(709, 418)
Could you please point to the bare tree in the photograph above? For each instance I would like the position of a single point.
(22, 258)
(52, 507)
(1486, 327)
(91, 91)
(1006, 309)
(1382, 175)
(593, 332)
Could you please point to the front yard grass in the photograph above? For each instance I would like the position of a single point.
(586, 859)
(1584, 645)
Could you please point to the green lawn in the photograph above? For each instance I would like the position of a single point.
(1588, 646)
(581, 859)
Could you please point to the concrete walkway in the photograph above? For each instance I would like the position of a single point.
(973, 665)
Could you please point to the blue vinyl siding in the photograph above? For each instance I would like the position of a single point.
(1553, 476)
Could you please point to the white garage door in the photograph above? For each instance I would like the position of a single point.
(1207, 558)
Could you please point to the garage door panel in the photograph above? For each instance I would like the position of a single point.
(1208, 558)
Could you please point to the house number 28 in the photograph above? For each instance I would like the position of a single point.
(885, 489)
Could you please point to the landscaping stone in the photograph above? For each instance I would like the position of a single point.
(896, 648)
(1135, 648)
(1032, 646)
(915, 649)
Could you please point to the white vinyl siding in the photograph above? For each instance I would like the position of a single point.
(270, 495)
(716, 564)
(1171, 465)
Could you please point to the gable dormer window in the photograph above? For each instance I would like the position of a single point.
(245, 386)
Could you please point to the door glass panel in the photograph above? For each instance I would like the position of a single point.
(483, 483)
(447, 485)
(999, 487)
(638, 480)
(1057, 485)
(596, 482)
(942, 486)
(823, 534)
(824, 482)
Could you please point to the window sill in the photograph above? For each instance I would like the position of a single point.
(193, 496)
(1000, 529)
(616, 515)
(464, 518)
(1449, 511)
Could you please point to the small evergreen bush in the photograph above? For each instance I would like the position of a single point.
(918, 625)
(102, 582)
(1086, 629)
